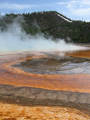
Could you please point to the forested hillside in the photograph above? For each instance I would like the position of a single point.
(51, 23)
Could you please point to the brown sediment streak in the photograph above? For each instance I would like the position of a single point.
(14, 76)
(80, 54)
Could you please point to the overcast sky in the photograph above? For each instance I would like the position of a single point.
(74, 9)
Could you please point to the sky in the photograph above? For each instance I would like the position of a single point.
(73, 9)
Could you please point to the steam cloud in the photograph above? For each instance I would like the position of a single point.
(14, 39)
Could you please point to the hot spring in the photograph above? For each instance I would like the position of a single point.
(56, 64)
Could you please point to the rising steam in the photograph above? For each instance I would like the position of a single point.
(14, 39)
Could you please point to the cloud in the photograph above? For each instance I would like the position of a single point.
(81, 11)
(15, 6)
(77, 7)
(81, 7)
(61, 3)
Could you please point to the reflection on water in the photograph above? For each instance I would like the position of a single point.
(56, 65)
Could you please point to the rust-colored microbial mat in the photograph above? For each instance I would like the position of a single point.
(14, 76)
(23, 88)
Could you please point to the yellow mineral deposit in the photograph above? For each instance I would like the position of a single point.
(17, 112)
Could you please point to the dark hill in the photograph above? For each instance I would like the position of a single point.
(51, 23)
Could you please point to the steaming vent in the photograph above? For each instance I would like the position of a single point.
(15, 39)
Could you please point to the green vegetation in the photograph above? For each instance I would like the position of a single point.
(50, 24)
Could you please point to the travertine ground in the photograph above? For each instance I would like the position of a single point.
(37, 96)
